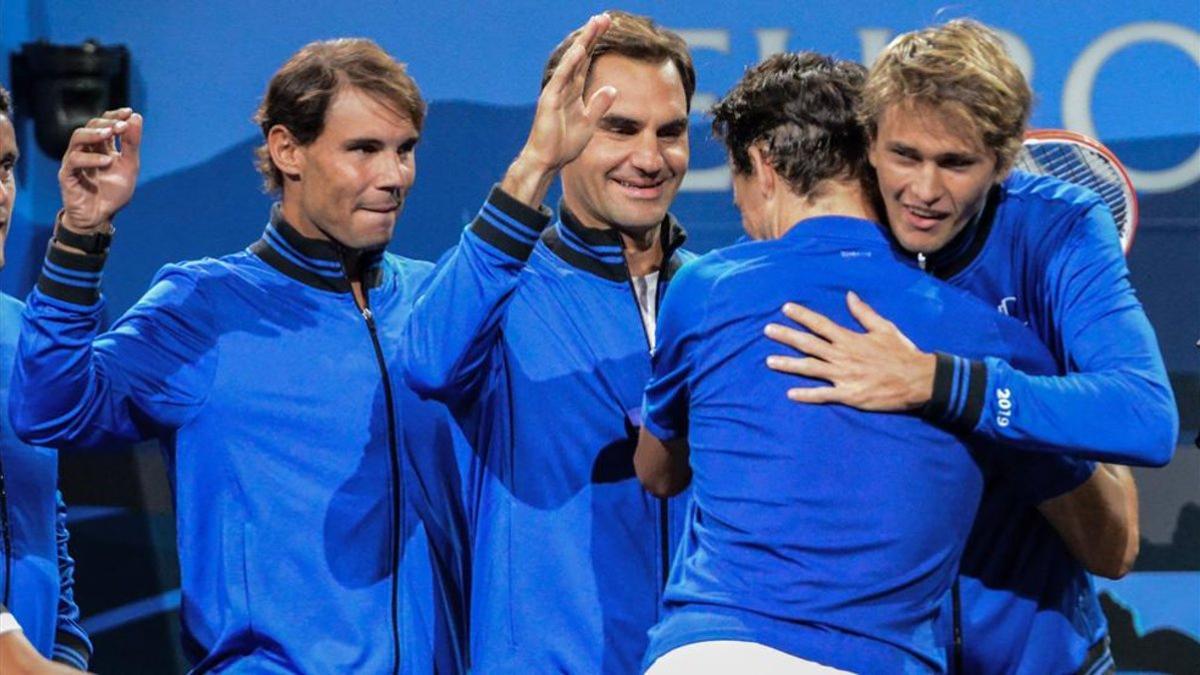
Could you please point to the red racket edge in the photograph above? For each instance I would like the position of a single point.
(1088, 141)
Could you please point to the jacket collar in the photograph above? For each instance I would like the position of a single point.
(313, 262)
(601, 252)
(966, 245)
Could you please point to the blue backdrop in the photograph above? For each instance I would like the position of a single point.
(1127, 73)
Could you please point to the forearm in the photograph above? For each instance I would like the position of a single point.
(1098, 521)
(456, 319)
(1121, 414)
(56, 383)
(662, 467)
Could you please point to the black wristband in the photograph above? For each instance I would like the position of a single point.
(92, 244)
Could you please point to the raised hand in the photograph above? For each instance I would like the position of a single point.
(563, 123)
(880, 370)
(98, 175)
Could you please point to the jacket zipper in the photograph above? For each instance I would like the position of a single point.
(956, 657)
(394, 463)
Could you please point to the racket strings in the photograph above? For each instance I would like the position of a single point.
(1082, 166)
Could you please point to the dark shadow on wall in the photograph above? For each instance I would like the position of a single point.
(1182, 554)
(1163, 650)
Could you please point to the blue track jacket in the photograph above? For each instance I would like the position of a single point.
(1046, 253)
(315, 495)
(828, 533)
(36, 571)
(533, 336)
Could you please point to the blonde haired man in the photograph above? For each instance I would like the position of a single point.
(945, 109)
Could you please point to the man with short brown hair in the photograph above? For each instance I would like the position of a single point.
(320, 528)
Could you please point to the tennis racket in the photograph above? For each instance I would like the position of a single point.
(1084, 161)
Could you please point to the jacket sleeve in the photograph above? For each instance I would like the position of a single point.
(150, 373)
(71, 643)
(1113, 403)
(455, 322)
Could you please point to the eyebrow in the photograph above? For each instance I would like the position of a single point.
(619, 122)
(371, 140)
(897, 146)
(677, 125)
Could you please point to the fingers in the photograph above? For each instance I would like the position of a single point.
(573, 68)
(814, 321)
(118, 126)
(97, 138)
(864, 314)
(78, 160)
(131, 139)
(807, 367)
(814, 395)
(799, 340)
(600, 102)
(86, 146)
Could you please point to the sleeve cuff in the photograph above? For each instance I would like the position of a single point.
(71, 277)
(660, 432)
(71, 650)
(509, 225)
(958, 393)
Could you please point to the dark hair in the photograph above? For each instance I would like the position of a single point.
(802, 107)
(5, 103)
(639, 38)
(300, 92)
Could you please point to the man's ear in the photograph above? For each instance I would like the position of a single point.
(763, 177)
(287, 154)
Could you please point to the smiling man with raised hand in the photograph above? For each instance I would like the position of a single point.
(539, 335)
(316, 495)
(946, 109)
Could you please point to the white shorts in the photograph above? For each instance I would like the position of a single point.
(733, 656)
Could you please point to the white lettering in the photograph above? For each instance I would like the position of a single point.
(871, 42)
(1077, 93)
(771, 41)
(1019, 51)
(1004, 402)
(717, 178)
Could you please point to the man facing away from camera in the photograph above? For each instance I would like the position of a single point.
(820, 539)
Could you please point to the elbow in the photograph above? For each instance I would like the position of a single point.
(1115, 566)
(425, 380)
(1114, 562)
(662, 486)
(1160, 439)
(25, 427)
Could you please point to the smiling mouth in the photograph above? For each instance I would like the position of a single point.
(642, 189)
(387, 208)
(924, 218)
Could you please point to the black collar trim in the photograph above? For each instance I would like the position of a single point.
(601, 252)
(966, 245)
(313, 262)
